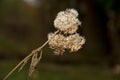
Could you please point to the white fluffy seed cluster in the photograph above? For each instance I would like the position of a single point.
(67, 23)
(75, 42)
(57, 42)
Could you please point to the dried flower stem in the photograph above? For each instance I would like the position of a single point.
(67, 22)
(28, 57)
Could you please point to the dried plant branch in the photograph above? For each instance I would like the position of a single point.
(27, 58)
(66, 22)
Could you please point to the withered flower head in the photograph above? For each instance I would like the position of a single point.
(67, 21)
(75, 42)
(57, 43)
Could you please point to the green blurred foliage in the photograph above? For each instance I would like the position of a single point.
(50, 71)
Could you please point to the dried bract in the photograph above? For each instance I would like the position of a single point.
(35, 60)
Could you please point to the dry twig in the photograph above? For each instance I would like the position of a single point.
(27, 58)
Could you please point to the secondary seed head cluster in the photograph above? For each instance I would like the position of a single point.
(67, 23)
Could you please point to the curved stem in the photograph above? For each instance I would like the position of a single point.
(28, 57)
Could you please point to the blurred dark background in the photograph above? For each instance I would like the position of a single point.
(24, 25)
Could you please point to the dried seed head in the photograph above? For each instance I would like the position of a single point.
(67, 21)
(57, 43)
(75, 42)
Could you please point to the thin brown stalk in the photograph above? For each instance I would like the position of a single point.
(28, 57)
